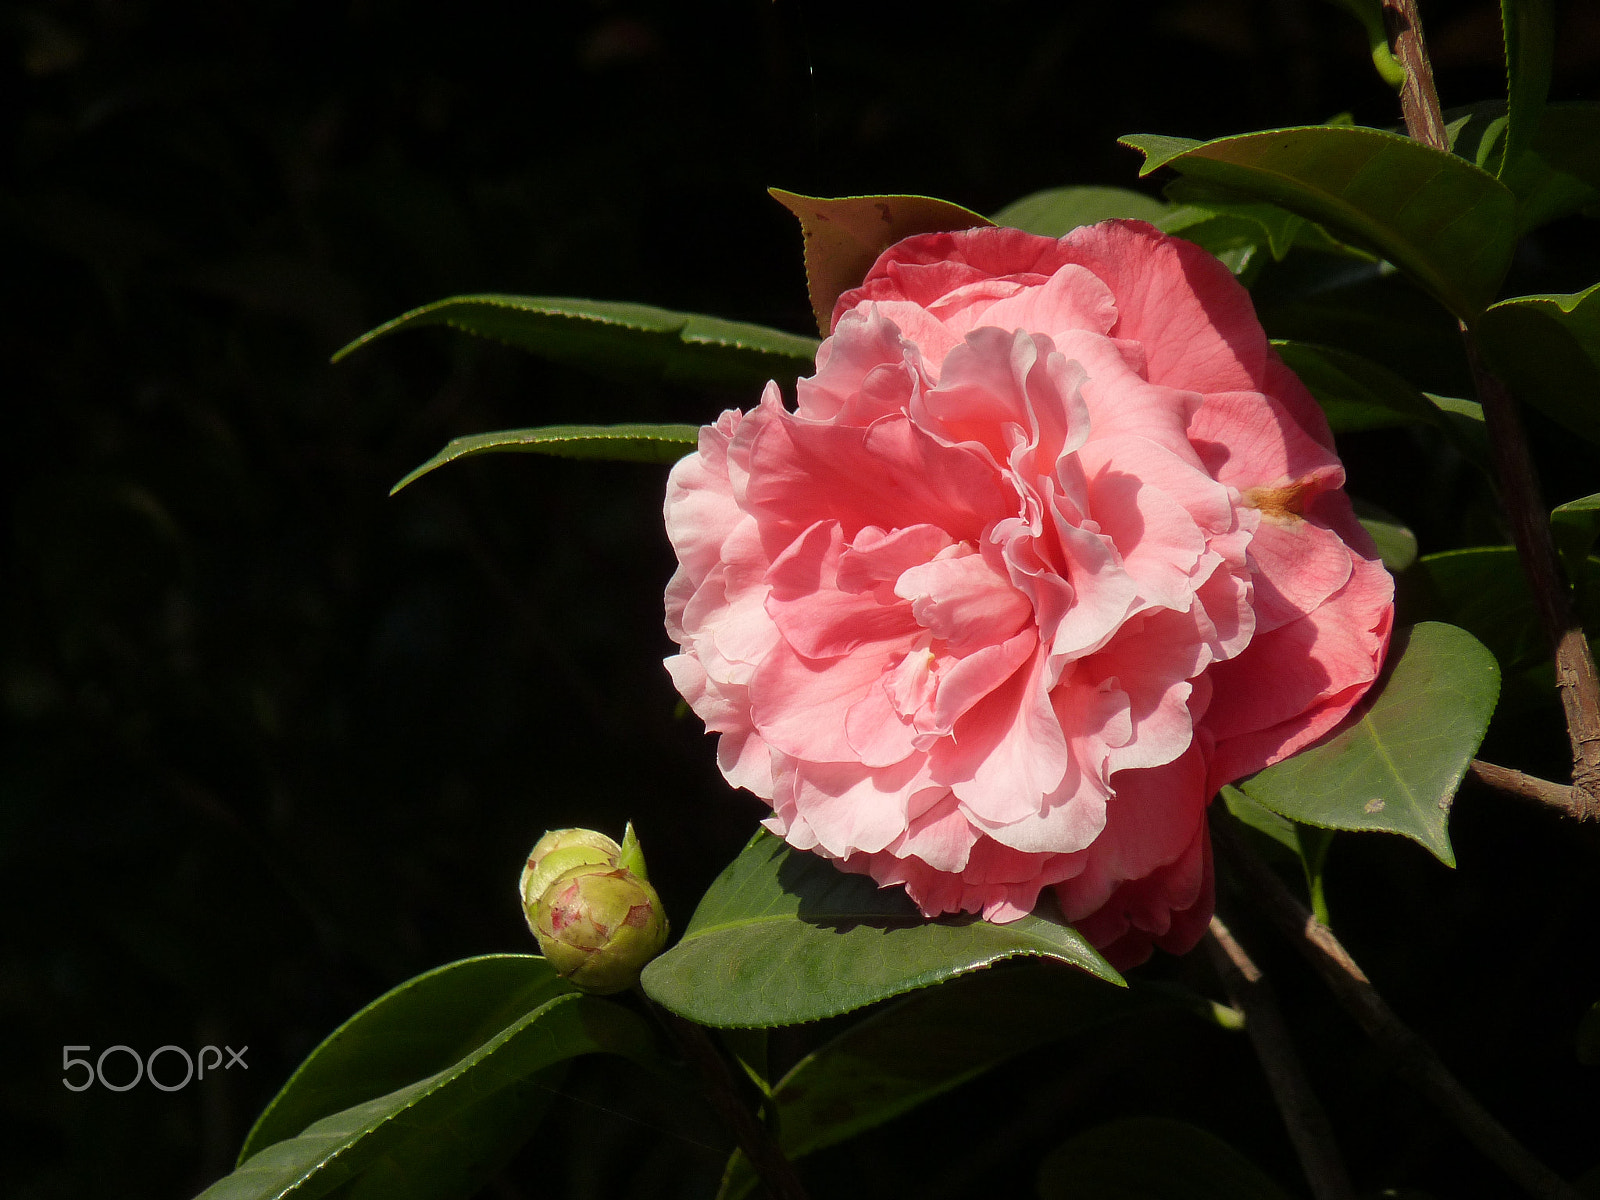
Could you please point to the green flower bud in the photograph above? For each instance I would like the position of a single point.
(598, 926)
(558, 852)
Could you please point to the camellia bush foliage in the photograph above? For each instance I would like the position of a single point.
(1032, 606)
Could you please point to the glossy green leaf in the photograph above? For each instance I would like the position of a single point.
(928, 1043)
(1575, 525)
(618, 443)
(1356, 393)
(1547, 350)
(844, 236)
(1463, 421)
(1444, 222)
(1058, 211)
(783, 937)
(1397, 545)
(1529, 30)
(628, 341)
(1152, 1158)
(437, 1134)
(412, 1031)
(1396, 765)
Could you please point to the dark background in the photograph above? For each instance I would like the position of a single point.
(274, 742)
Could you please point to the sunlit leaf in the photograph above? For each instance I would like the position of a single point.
(618, 443)
(1441, 220)
(1529, 29)
(628, 341)
(1059, 211)
(782, 937)
(440, 1133)
(1547, 350)
(1152, 1158)
(1396, 765)
(844, 236)
(928, 1043)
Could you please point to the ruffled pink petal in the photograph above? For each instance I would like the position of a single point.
(1196, 323)
(866, 370)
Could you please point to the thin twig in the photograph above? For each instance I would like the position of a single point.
(1412, 1057)
(1560, 796)
(1576, 677)
(776, 1172)
(1303, 1113)
(1419, 101)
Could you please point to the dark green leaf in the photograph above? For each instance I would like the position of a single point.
(618, 443)
(1477, 133)
(628, 341)
(436, 1136)
(412, 1031)
(928, 1043)
(1560, 173)
(844, 237)
(1485, 591)
(1355, 393)
(1547, 350)
(783, 937)
(1059, 211)
(1554, 176)
(1238, 242)
(1588, 1040)
(1463, 421)
(1575, 525)
(1152, 1158)
(1397, 545)
(1278, 229)
(1529, 29)
(1305, 846)
(1396, 765)
(1441, 220)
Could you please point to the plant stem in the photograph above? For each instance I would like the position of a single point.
(1412, 1057)
(1576, 677)
(1303, 1114)
(1560, 796)
(1419, 100)
(776, 1172)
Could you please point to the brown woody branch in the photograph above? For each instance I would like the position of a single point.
(1562, 797)
(1576, 677)
(1412, 1057)
(1303, 1114)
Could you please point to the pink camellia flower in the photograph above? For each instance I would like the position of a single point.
(1052, 547)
